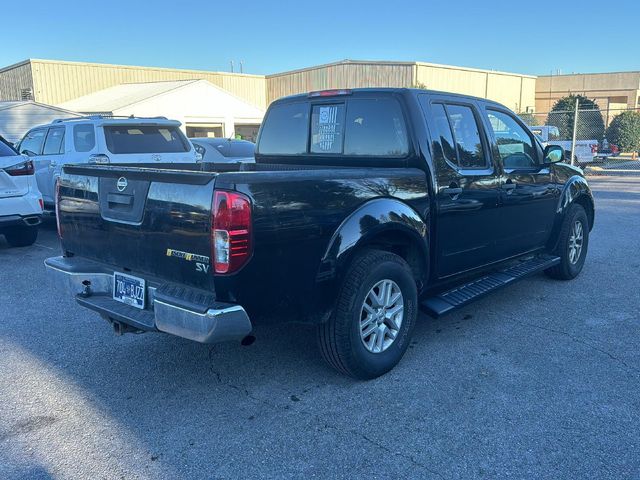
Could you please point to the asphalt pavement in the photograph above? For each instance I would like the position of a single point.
(540, 380)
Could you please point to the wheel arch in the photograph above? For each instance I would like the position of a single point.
(384, 224)
(575, 191)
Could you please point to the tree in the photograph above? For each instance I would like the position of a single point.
(624, 131)
(529, 119)
(590, 122)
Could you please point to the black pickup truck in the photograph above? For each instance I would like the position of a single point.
(363, 207)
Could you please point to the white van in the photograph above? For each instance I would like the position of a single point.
(98, 139)
(586, 150)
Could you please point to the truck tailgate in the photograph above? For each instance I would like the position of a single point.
(147, 221)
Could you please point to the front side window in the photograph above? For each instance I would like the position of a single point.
(285, 130)
(515, 146)
(54, 144)
(467, 137)
(375, 127)
(554, 133)
(327, 125)
(127, 139)
(32, 143)
(84, 137)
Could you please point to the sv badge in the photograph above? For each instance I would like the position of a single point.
(202, 267)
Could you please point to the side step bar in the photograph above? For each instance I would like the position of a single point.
(457, 297)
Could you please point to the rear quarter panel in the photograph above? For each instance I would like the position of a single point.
(295, 216)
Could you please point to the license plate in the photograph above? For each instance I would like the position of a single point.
(128, 289)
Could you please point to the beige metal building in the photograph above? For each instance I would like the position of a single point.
(611, 91)
(56, 82)
(513, 90)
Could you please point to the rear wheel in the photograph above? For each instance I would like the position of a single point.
(371, 327)
(21, 236)
(573, 243)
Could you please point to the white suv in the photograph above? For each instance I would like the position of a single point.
(20, 200)
(97, 139)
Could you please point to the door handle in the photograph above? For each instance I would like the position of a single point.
(452, 191)
(52, 164)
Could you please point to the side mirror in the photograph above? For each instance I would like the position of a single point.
(553, 154)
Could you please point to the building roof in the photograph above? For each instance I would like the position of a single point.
(387, 62)
(21, 103)
(124, 95)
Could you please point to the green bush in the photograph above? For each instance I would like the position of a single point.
(529, 119)
(590, 123)
(624, 131)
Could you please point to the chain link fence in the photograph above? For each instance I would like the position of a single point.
(599, 141)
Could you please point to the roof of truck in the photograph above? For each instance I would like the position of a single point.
(388, 90)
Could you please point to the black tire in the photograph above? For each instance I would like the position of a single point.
(339, 338)
(21, 236)
(567, 270)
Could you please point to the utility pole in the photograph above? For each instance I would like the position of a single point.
(231, 66)
(575, 132)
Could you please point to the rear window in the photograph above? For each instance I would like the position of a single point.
(375, 127)
(358, 127)
(123, 139)
(285, 130)
(6, 150)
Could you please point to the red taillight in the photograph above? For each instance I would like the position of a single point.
(57, 203)
(41, 204)
(614, 148)
(24, 168)
(594, 148)
(231, 231)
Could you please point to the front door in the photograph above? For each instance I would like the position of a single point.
(529, 196)
(468, 186)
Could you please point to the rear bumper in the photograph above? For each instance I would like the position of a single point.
(170, 309)
(20, 220)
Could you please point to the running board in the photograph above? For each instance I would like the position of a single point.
(457, 297)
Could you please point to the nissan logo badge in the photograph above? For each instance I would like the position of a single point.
(122, 184)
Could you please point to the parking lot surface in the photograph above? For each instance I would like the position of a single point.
(540, 380)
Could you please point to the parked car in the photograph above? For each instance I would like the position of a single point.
(20, 200)
(586, 150)
(606, 151)
(224, 150)
(97, 139)
(362, 207)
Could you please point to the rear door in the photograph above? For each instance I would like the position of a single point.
(528, 193)
(147, 143)
(52, 157)
(31, 145)
(468, 185)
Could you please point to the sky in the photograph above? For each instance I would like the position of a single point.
(534, 38)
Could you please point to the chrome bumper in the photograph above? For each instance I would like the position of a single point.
(88, 280)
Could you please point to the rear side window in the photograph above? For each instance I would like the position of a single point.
(285, 130)
(54, 144)
(467, 137)
(375, 127)
(84, 137)
(32, 143)
(6, 150)
(443, 143)
(124, 139)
